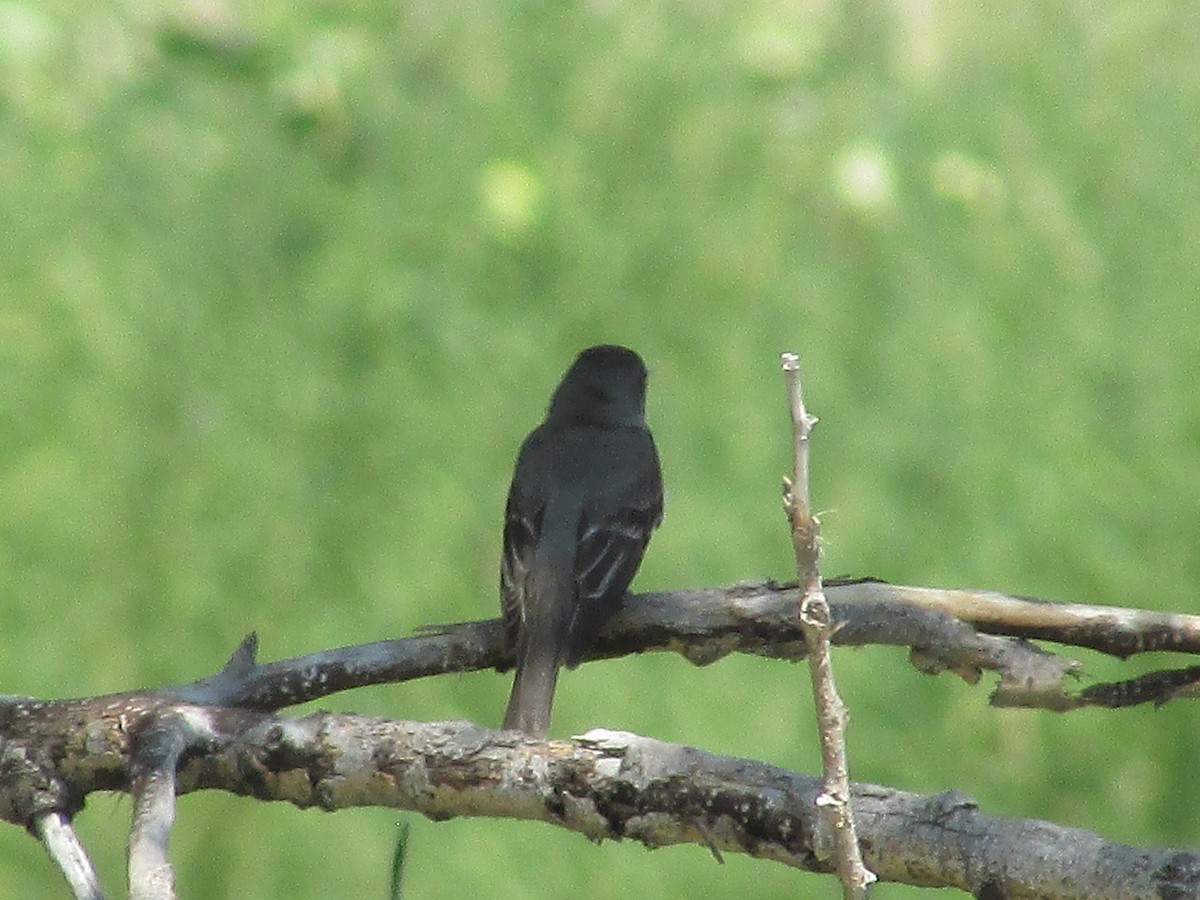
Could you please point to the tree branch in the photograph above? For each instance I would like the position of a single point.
(155, 753)
(58, 837)
(703, 625)
(707, 624)
(815, 622)
(614, 785)
(155, 743)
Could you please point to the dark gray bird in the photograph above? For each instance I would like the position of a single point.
(585, 496)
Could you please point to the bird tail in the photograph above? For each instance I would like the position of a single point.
(533, 689)
(545, 599)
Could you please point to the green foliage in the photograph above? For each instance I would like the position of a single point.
(284, 286)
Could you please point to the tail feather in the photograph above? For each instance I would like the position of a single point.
(533, 689)
(544, 600)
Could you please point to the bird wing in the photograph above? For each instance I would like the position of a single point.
(521, 530)
(610, 548)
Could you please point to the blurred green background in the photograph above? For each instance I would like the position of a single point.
(282, 287)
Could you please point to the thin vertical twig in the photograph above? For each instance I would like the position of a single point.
(814, 617)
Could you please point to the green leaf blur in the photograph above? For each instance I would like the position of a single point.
(282, 287)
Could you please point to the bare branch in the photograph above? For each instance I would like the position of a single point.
(59, 838)
(707, 624)
(802, 426)
(1115, 630)
(155, 755)
(53, 753)
(614, 785)
(815, 622)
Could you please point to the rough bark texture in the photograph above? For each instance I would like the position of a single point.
(619, 786)
(221, 733)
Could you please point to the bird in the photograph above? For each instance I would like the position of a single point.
(586, 494)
